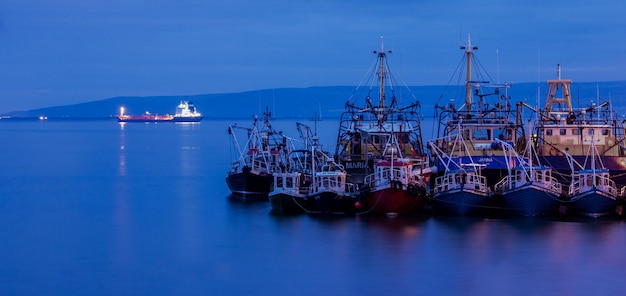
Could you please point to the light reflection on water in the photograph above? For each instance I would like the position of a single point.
(80, 215)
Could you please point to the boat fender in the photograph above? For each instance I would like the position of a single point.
(397, 185)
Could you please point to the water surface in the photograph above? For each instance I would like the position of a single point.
(97, 208)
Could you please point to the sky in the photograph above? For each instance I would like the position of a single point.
(71, 51)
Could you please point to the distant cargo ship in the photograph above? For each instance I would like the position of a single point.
(185, 112)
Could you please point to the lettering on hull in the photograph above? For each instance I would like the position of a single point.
(356, 165)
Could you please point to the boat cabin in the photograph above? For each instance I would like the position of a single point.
(292, 183)
(461, 179)
(576, 139)
(588, 179)
(540, 176)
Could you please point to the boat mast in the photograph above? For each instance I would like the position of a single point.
(469, 49)
(382, 74)
(552, 100)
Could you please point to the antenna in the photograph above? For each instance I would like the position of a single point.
(497, 67)
(538, 78)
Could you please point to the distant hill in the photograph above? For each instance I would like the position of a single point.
(308, 102)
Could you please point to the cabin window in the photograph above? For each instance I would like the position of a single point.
(548, 132)
(288, 183)
(591, 131)
(504, 135)
(481, 134)
(575, 131)
(279, 182)
(606, 132)
(562, 132)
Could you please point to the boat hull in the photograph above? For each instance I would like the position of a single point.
(248, 183)
(286, 204)
(398, 201)
(148, 119)
(530, 200)
(459, 202)
(332, 203)
(188, 119)
(595, 203)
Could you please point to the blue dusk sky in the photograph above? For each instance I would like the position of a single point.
(72, 51)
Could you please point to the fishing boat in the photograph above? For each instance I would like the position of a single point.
(592, 192)
(399, 185)
(485, 116)
(290, 187)
(366, 129)
(529, 189)
(462, 188)
(565, 129)
(256, 159)
(306, 190)
(185, 112)
(313, 183)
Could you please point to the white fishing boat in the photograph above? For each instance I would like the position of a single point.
(313, 183)
(592, 192)
(461, 189)
(529, 189)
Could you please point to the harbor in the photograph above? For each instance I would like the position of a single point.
(491, 155)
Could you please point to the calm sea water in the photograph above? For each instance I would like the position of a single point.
(96, 208)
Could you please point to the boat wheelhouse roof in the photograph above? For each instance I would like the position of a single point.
(403, 162)
(600, 125)
(481, 122)
(536, 168)
(591, 171)
(387, 127)
(473, 165)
